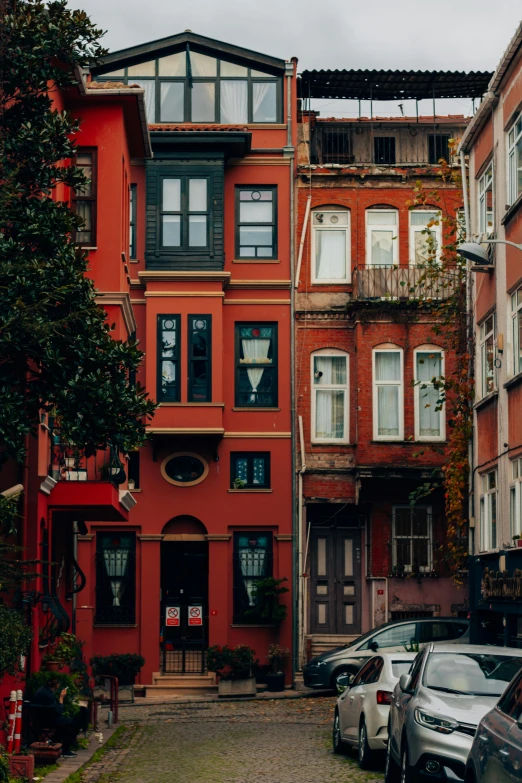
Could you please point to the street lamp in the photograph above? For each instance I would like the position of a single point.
(478, 254)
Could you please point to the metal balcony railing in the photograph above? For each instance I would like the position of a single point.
(405, 283)
(69, 462)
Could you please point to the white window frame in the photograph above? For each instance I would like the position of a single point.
(488, 491)
(515, 497)
(483, 185)
(376, 384)
(347, 229)
(436, 229)
(484, 337)
(516, 316)
(325, 353)
(419, 390)
(370, 228)
(514, 160)
(429, 538)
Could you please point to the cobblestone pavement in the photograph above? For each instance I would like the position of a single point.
(250, 742)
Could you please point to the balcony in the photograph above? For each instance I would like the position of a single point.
(87, 486)
(404, 283)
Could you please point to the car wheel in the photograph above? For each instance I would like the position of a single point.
(338, 746)
(391, 770)
(406, 776)
(341, 671)
(365, 754)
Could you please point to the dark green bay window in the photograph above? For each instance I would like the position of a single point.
(115, 578)
(256, 365)
(252, 562)
(168, 384)
(250, 470)
(256, 222)
(184, 213)
(200, 358)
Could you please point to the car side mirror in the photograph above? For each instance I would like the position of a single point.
(405, 683)
(344, 682)
(374, 646)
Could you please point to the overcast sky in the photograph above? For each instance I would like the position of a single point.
(416, 34)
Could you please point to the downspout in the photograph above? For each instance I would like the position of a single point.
(301, 559)
(289, 153)
(465, 194)
(301, 243)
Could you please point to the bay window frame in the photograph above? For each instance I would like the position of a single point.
(327, 353)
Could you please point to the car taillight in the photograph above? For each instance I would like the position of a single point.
(384, 697)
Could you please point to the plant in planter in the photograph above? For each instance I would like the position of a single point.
(234, 666)
(239, 483)
(124, 666)
(269, 609)
(277, 655)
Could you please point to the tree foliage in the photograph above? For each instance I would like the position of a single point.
(56, 349)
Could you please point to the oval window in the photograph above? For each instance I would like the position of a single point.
(184, 469)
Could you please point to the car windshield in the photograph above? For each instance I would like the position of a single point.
(401, 667)
(470, 673)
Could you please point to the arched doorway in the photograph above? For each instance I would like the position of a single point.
(184, 595)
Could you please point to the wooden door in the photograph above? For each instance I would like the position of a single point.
(335, 583)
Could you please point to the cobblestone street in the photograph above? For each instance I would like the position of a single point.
(286, 741)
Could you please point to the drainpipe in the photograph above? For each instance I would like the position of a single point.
(465, 194)
(301, 559)
(289, 153)
(17, 489)
(301, 243)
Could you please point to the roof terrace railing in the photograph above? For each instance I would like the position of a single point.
(406, 283)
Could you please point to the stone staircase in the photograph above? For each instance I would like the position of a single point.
(318, 644)
(181, 685)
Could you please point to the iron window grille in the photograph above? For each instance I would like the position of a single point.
(169, 335)
(438, 147)
(84, 198)
(115, 578)
(412, 540)
(256, 365)
(384, 149)
(332, 144)
(250, 470)
(200, 358)
(256, 222)
(252, 561)
(133, 220)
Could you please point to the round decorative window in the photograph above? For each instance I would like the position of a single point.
(184, 469)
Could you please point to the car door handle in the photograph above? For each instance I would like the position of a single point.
(363, 697)
(504, 753)
(483, 738)
(351, 698)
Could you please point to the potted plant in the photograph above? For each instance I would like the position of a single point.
(124, 666)
(275, 679)
(269, 609)
(233, 666)
(517, 541)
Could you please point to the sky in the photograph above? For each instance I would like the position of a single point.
(403, 34)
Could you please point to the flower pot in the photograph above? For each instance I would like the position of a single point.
(230, 689)
(54, 666)
(21, 766)
(275, 682)
(519, 542)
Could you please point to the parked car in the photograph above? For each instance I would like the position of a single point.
(405, 635)
(496, 753)
(362, 711)
(436, 709)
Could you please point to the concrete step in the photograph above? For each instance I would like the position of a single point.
(318, 644)
(184, 680)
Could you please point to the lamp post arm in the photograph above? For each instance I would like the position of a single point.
(503, 242)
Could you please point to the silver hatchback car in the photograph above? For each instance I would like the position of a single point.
(436, 709)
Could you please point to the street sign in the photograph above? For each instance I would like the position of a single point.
(195, 615)
(172, 616)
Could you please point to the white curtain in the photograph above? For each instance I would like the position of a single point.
(329, 413)
(260, 92)
(382, 247)
(255, 352)
(252, 563)
(234, 101)
(333, 369)
(388, 410)
(330, 255)
(149, 85)
(428, 368)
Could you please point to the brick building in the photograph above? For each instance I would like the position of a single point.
(365, 555)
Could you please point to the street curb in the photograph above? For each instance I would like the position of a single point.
(70, 766)
(213, 699)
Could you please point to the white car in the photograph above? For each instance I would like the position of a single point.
(361, 713)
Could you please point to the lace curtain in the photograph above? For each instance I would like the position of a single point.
(234, 102)
(255, 352)
(330, 255)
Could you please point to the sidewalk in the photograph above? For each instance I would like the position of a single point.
(69, 766)
(206, 698)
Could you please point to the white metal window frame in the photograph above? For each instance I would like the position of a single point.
(376, 384)
(515, 497)
(514, 160)
(418, 391)
(348, 262)
(483, 185)
(484, 338)
(325, 353)
(429, 538)
(414, 229)
(488, 499)
(516, 317)
(370, 228)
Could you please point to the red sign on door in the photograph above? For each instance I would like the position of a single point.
(195, 615)
(172, 616)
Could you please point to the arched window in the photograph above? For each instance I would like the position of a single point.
(429, 414)
(382, 236)
(331, 245)
(388, 392)
(330, 402)
(425, 243)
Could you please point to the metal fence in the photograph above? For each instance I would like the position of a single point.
(404, 282)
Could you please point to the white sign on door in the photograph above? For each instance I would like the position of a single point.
(195, 615)
(172, 616)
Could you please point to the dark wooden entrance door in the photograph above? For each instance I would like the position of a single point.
(184, 605)
(335, 584)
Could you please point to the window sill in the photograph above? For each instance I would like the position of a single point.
(401, 441)
(191, 405)
(234, 491)
(254, 408)
(486, 400)
(332, 282)
(256, 261)
(514, 381)
(512, 211)
(87, 247)
(134, 260)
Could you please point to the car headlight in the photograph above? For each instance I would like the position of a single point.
(435, 722)
(319, 663)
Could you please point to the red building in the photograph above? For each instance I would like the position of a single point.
(362, 344)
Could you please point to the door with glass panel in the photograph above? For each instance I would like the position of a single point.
(335, 581)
